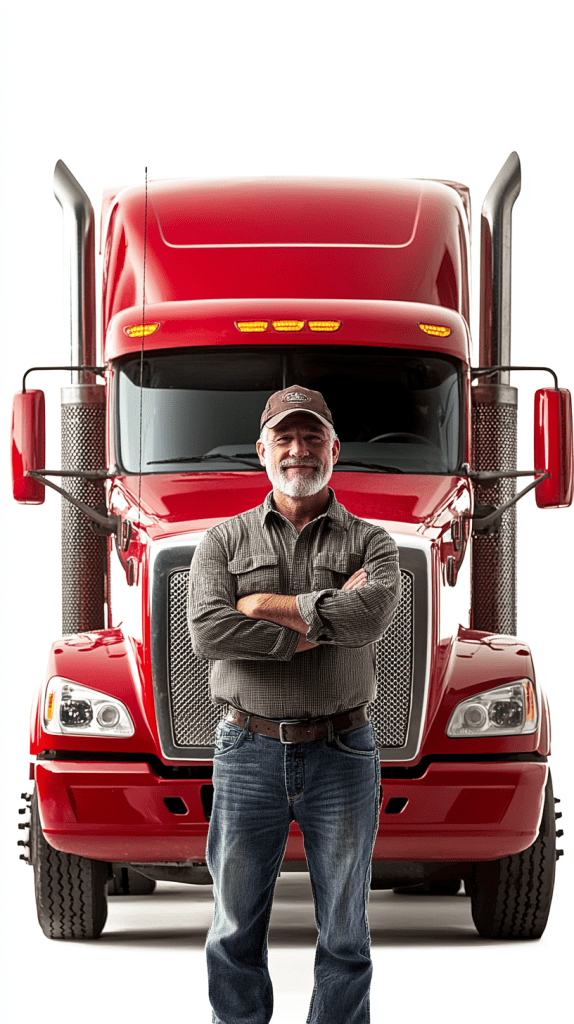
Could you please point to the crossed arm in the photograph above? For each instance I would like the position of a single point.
(265, 627)
(283, 610)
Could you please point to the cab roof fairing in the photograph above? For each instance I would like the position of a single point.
(402, 240)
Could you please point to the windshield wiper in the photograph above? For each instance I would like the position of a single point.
(377, 466)
(209, 458)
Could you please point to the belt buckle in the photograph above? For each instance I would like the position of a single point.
(281, 724)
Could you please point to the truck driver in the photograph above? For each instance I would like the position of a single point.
(287, 600)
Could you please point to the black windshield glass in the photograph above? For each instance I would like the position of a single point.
(397, 408)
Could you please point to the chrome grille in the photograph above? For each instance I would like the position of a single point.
(394, 671)
(194, 717)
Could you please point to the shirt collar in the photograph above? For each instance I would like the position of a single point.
(334, 511)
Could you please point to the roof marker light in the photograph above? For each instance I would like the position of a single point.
(251, 326)
(141, 330)
(439, 332)
(288, 325)
(324, 325)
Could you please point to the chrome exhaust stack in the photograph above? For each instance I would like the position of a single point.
(83, 417)
(494, 412)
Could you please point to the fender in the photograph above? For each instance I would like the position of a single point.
(109, 661)
(469, 663)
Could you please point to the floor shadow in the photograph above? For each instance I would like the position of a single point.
(394, 920)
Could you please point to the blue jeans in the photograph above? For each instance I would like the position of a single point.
(332, 792)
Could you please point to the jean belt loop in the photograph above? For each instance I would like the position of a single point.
(330, 733)
(246, 728)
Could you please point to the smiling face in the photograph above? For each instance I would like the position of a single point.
(298, 454)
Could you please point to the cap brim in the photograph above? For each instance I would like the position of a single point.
(308, 412)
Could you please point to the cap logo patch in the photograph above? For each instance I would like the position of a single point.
(295, 396)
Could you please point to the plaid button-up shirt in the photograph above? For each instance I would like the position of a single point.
(255, 667)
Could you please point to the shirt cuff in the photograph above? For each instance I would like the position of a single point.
(307, 608)
(286, 645)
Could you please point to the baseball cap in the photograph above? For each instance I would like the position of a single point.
(295, 399)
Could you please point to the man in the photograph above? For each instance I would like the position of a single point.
(287, 600)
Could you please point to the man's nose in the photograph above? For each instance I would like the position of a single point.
(298, 448)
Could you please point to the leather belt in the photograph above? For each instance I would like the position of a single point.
(302, 730)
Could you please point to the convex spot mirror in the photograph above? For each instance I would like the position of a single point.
(28, 446)
(553, 447)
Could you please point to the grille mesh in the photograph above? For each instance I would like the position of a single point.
(83, 551)
(194, 717)
(494, 431)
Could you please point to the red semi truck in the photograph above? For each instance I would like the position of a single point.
(214, 295)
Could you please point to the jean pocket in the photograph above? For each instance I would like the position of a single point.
(360, 742)
(227, 737)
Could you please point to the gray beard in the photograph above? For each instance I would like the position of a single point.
(301, 487)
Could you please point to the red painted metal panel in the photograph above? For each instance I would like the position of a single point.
(208, 323)
(553, 451)
(456, 811)
(403, 240)
(28, 446)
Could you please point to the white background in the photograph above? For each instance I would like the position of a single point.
(438, 90)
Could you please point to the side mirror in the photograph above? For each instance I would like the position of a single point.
(28, 446)
(553, 447)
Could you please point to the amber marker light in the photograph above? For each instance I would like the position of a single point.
(251, 326)
(288, 325)
(324, 325)
(141, 330)
(50, 708)
(436, 329)
(529, 702)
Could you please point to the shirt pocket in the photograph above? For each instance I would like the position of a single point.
(255, 574)
(331, 569)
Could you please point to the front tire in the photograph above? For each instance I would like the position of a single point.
(511, 897)
(70, 891)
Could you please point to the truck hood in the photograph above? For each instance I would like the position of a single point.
(172, 504)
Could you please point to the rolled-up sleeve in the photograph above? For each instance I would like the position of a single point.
(218, 631)
(354, 618)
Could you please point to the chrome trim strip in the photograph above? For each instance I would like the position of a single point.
(415, 556)
(167, 556)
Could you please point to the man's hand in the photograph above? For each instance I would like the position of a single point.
(356, 581)
(283, 610)
(304, 645)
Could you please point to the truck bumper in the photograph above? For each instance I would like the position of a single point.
(123, 812)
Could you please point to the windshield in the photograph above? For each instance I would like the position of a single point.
(394, 410)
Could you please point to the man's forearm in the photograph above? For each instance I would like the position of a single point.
(278, 608)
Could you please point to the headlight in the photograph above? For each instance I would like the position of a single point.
(74, 710)
(506, 711)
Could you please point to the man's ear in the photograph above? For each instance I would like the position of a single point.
(336, 449)
(261, 452)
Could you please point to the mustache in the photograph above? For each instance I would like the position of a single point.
(286, 463)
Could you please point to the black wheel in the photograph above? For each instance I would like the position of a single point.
(127, 882)
(70, 891)
(510, 898)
